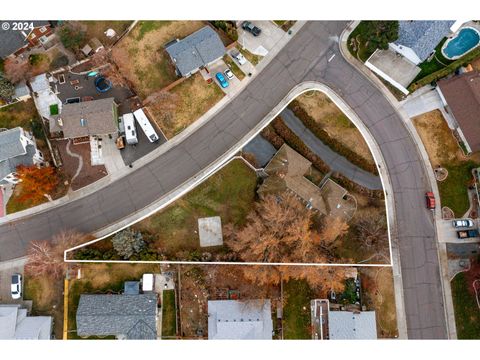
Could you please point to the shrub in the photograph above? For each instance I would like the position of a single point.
(71, 38)
(59, 61)
(228, 27)
(128, 243)
(7, 90)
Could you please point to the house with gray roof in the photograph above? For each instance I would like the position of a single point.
(348, 325)
(196, 51)
(417, 39)
(86, 118)
(22, 92)
(15, 324)
(234, 319)
(17, 147)
(13, 42)
(126, 316)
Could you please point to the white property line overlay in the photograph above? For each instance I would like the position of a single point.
(229, 156)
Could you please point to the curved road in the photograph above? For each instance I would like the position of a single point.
(304, 58)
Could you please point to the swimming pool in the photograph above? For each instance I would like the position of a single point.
(467, 39)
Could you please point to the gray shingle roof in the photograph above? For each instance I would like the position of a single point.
(21, 89)
(10, 144)
(132, 316)
(346, 325)
(196, 50)
(12, 40)
(233, 319)
(422, 36)
(97, 117)
(15, 324)
(10, 165)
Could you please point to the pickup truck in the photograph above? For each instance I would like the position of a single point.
(465, 234)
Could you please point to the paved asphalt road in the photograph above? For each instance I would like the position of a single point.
(303, 58)
(331, 158)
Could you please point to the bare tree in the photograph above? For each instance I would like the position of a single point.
(17, 69)
(371, 228)
(46, 257)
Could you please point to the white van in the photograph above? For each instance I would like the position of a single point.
(145, 125)
(130, 131)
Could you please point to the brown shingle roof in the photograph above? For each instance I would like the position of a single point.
(286, 170)
(97, 117)
(462, 94)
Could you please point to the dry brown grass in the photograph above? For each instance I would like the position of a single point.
(101, 275)
(437, 138)
(379, 295)
(334, 121)
(96, 29)
(141, 56)
(184, 104)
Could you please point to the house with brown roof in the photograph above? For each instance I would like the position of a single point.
(85, 119)
(286, 172)
(461, 97)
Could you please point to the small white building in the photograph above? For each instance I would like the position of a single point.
(17, 147)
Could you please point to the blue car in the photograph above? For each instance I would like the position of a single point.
(221, 79)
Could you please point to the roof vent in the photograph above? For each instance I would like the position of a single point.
(83, 122)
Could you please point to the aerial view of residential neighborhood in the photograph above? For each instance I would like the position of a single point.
(239, 179)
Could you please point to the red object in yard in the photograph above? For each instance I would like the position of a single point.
(430, 200)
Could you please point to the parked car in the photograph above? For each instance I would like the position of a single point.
(430, 200)
(465, 234)
(252, 29)
(221, 79)
(229, 74)
(16, 286)
(466, 223)
(239, 57)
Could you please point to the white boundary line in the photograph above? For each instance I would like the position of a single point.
(228, 156)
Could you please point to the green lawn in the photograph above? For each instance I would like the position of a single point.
(467, 314)
(438, 62)
(296, 311)
(454, 191)
(230, 194)
(169, 314)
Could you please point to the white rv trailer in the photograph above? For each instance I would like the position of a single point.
(145, 125)
(130, 131)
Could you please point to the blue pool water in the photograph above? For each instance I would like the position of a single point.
(466, 40)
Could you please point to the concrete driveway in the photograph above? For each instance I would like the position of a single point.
(233, 84)
(426, 100)
(247, 68)
(7, 269)
(262, 44)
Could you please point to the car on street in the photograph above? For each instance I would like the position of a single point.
(229, 74)
(239, 57)
(462, 223)
(252, 29)
(465, 234)
(430, 200)
(16, 286)
(221, 79)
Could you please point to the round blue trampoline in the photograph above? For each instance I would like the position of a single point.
(102, 84)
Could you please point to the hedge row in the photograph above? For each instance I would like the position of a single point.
(272, 137)
(437, 75)
(354, 187)
(332, 143)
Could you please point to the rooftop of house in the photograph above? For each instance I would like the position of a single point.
(11, 144)
(233, 319)
(196, 50)
(346, 325)
(11, 41)
(287, 170)
(96, 117)
(39, 83)
(10, 165)
(422, 36)
(21, 89)
(462, 94)
(126, 316)
(15, 324)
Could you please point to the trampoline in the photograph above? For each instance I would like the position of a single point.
(102, 84)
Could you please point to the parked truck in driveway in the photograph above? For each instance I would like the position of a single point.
(465, 234)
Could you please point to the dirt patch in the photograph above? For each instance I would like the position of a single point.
(176, 109)
(101, 275)
(335, 122)
(141, 57)
(378, 295)
(88, 174)
(96, 29)
(472, 274)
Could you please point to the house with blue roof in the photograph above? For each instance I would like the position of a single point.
(196, 51)
(417, 39)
